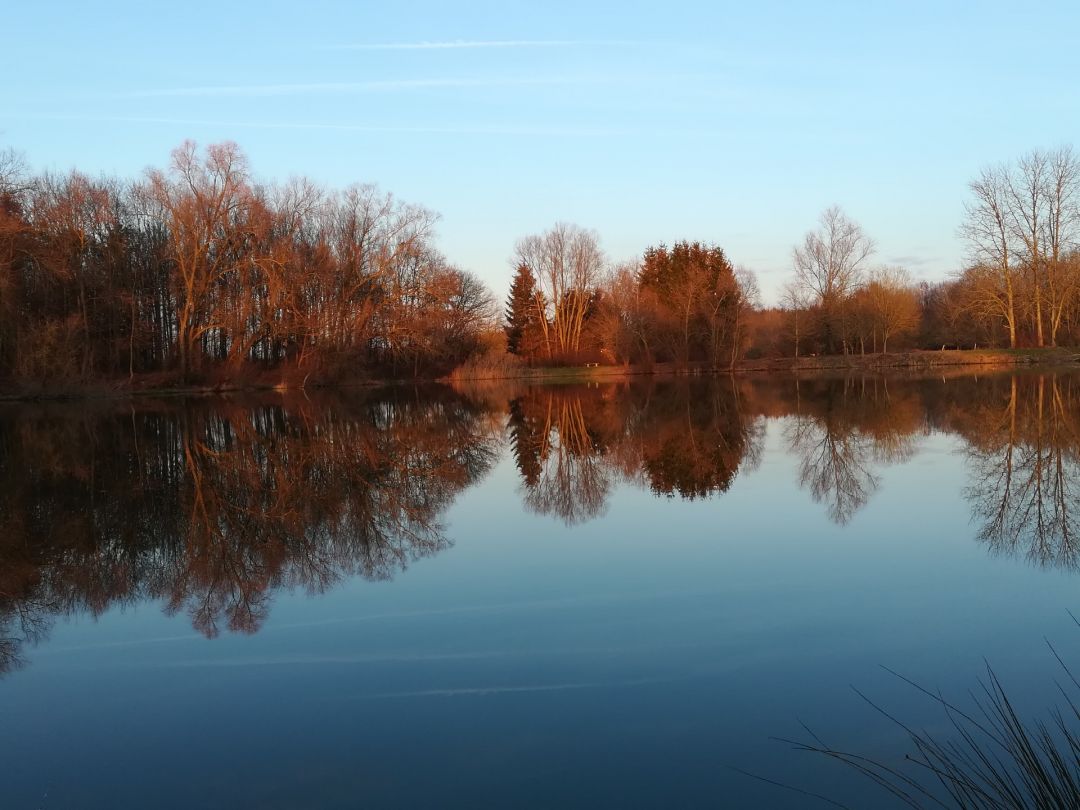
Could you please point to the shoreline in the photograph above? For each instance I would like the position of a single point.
(920, 360)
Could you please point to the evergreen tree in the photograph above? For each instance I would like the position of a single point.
(521, 315)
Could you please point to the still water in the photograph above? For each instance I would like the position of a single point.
(606, 595)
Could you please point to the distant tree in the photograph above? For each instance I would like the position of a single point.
(747, 300)
(795, 300)
(942, 318)
(767, 333)
(894, 304)
(623, 326)
(593, 347)
(14, 232)
(829, 264)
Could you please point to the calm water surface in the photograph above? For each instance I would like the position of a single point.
(564, 596)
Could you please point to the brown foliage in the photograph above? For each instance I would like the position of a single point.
(199, 269)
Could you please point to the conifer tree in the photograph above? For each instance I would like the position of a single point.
(521, 313)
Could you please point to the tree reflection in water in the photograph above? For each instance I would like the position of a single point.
(1024, 450)
(1021, 431)
(213, 506)
(559, 449)
(571, 444)
(842, 429)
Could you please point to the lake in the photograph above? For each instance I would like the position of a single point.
(583, 595)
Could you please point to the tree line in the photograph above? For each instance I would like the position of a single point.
(202, 273)
(198, 270)
(685, 303)
(1019, 286)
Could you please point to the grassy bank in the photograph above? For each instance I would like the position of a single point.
(165, 385)
(919, 360)
(913, 360)
(171, 385)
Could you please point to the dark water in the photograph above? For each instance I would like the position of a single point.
(561, 596)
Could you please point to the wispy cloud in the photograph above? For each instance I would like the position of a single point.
(389, 129)
(478, 44)
(912, 260)
(338, 88)
(315, 125)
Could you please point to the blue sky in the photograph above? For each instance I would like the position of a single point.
(735, 123)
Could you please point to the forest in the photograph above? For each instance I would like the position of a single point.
(199, 273)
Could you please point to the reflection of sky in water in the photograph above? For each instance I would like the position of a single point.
(625, 660)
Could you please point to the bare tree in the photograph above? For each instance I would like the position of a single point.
(13, 171)
(1027, 190)
(747, 299)
(567, 262)
(894, 303)
(202, 270)
(204, 197)
(625, 327)
(14, 186)
(829, 264)
(987, 228)
(795, 299)
(1062, 195)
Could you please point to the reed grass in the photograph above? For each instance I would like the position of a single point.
(990, 758)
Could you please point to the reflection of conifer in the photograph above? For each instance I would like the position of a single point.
(525, 442)
(572, 479)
